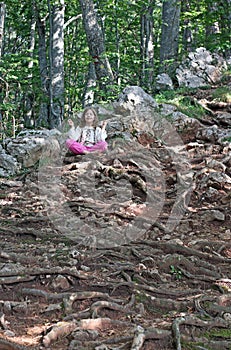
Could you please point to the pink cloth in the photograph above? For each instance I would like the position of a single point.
(79, 148)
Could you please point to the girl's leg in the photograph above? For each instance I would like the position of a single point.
(75, 147)
(99, 146)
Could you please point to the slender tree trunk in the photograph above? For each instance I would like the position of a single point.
(187, 32)
(147, 47)
(44, 72)
(29, 94)
(56, 55)
(118, 44)
(88, 96)
(72, 72)
(213, 27)
(169, 35)
(96, 44)
(2, 20)
(225, 23)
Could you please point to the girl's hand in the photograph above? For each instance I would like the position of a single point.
(70, 122)
(104, 124)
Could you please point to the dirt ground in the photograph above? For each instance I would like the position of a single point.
(166, 290)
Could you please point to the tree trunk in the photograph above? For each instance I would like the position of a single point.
(169, 35)
(213, 26)
(88, 96)
(44, 72)
(147, 47)
(187, 31)
(118, 44)
(2, 20)
(225, 24)
(29, 94)
(96, 44)
(56, 55)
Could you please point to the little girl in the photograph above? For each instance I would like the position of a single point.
(89, 137)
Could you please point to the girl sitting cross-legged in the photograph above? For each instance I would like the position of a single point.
(88, 137)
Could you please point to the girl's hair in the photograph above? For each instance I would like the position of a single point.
(83, 121)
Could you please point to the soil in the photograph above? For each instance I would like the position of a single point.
(167, 289)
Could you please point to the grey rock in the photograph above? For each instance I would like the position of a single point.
(131, 97)
(211, 133)
(201, 68)
(213, 214)
(224, 118)
(8, 163)
(167, 109)
(163, 82)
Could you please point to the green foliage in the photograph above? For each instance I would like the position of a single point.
(193, 345)
(121, 24)
(218, 333)
(222, 94)
(228, 139)
(213, 334)
(184, 104)
(175, 272)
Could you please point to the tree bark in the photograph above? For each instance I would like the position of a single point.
(96, 44)
(213, 27)
(56, 55)
(187, 31)
(44, 72)
(88, 96)
(29, 94)
(2, 20)
(169, 35)
(225, 23)
(147, 46)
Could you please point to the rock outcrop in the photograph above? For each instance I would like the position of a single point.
(135, 117)
(201, 68)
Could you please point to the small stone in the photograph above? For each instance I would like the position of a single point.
(177, 241)
(22, 307)
(191, 233)
(226, 234)
(75, 254)
(75, 344)
(85, 268)
(9, 333)
(227, 316)
(101, 347)
(167, 237)
(7, 307)
(213, 214)
(60, 282)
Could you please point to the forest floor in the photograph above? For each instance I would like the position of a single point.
(166, 290)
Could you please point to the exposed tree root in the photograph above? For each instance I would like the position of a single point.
(61, 329)
(138, 339)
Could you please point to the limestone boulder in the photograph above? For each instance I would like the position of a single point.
(201, 68)
(8, 164)
(131, 98)
(29, 145)
(163, 82)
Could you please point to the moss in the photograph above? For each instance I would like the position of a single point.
(222, 94)
(185, 104)
(223, 333)
(211, 335)
(227, 139)
(193, 345)
(141, 298)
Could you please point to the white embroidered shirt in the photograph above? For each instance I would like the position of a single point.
(89, 136)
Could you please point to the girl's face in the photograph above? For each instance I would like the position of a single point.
(89, 117)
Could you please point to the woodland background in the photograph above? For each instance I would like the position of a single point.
(58, 56)
(169, 289)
